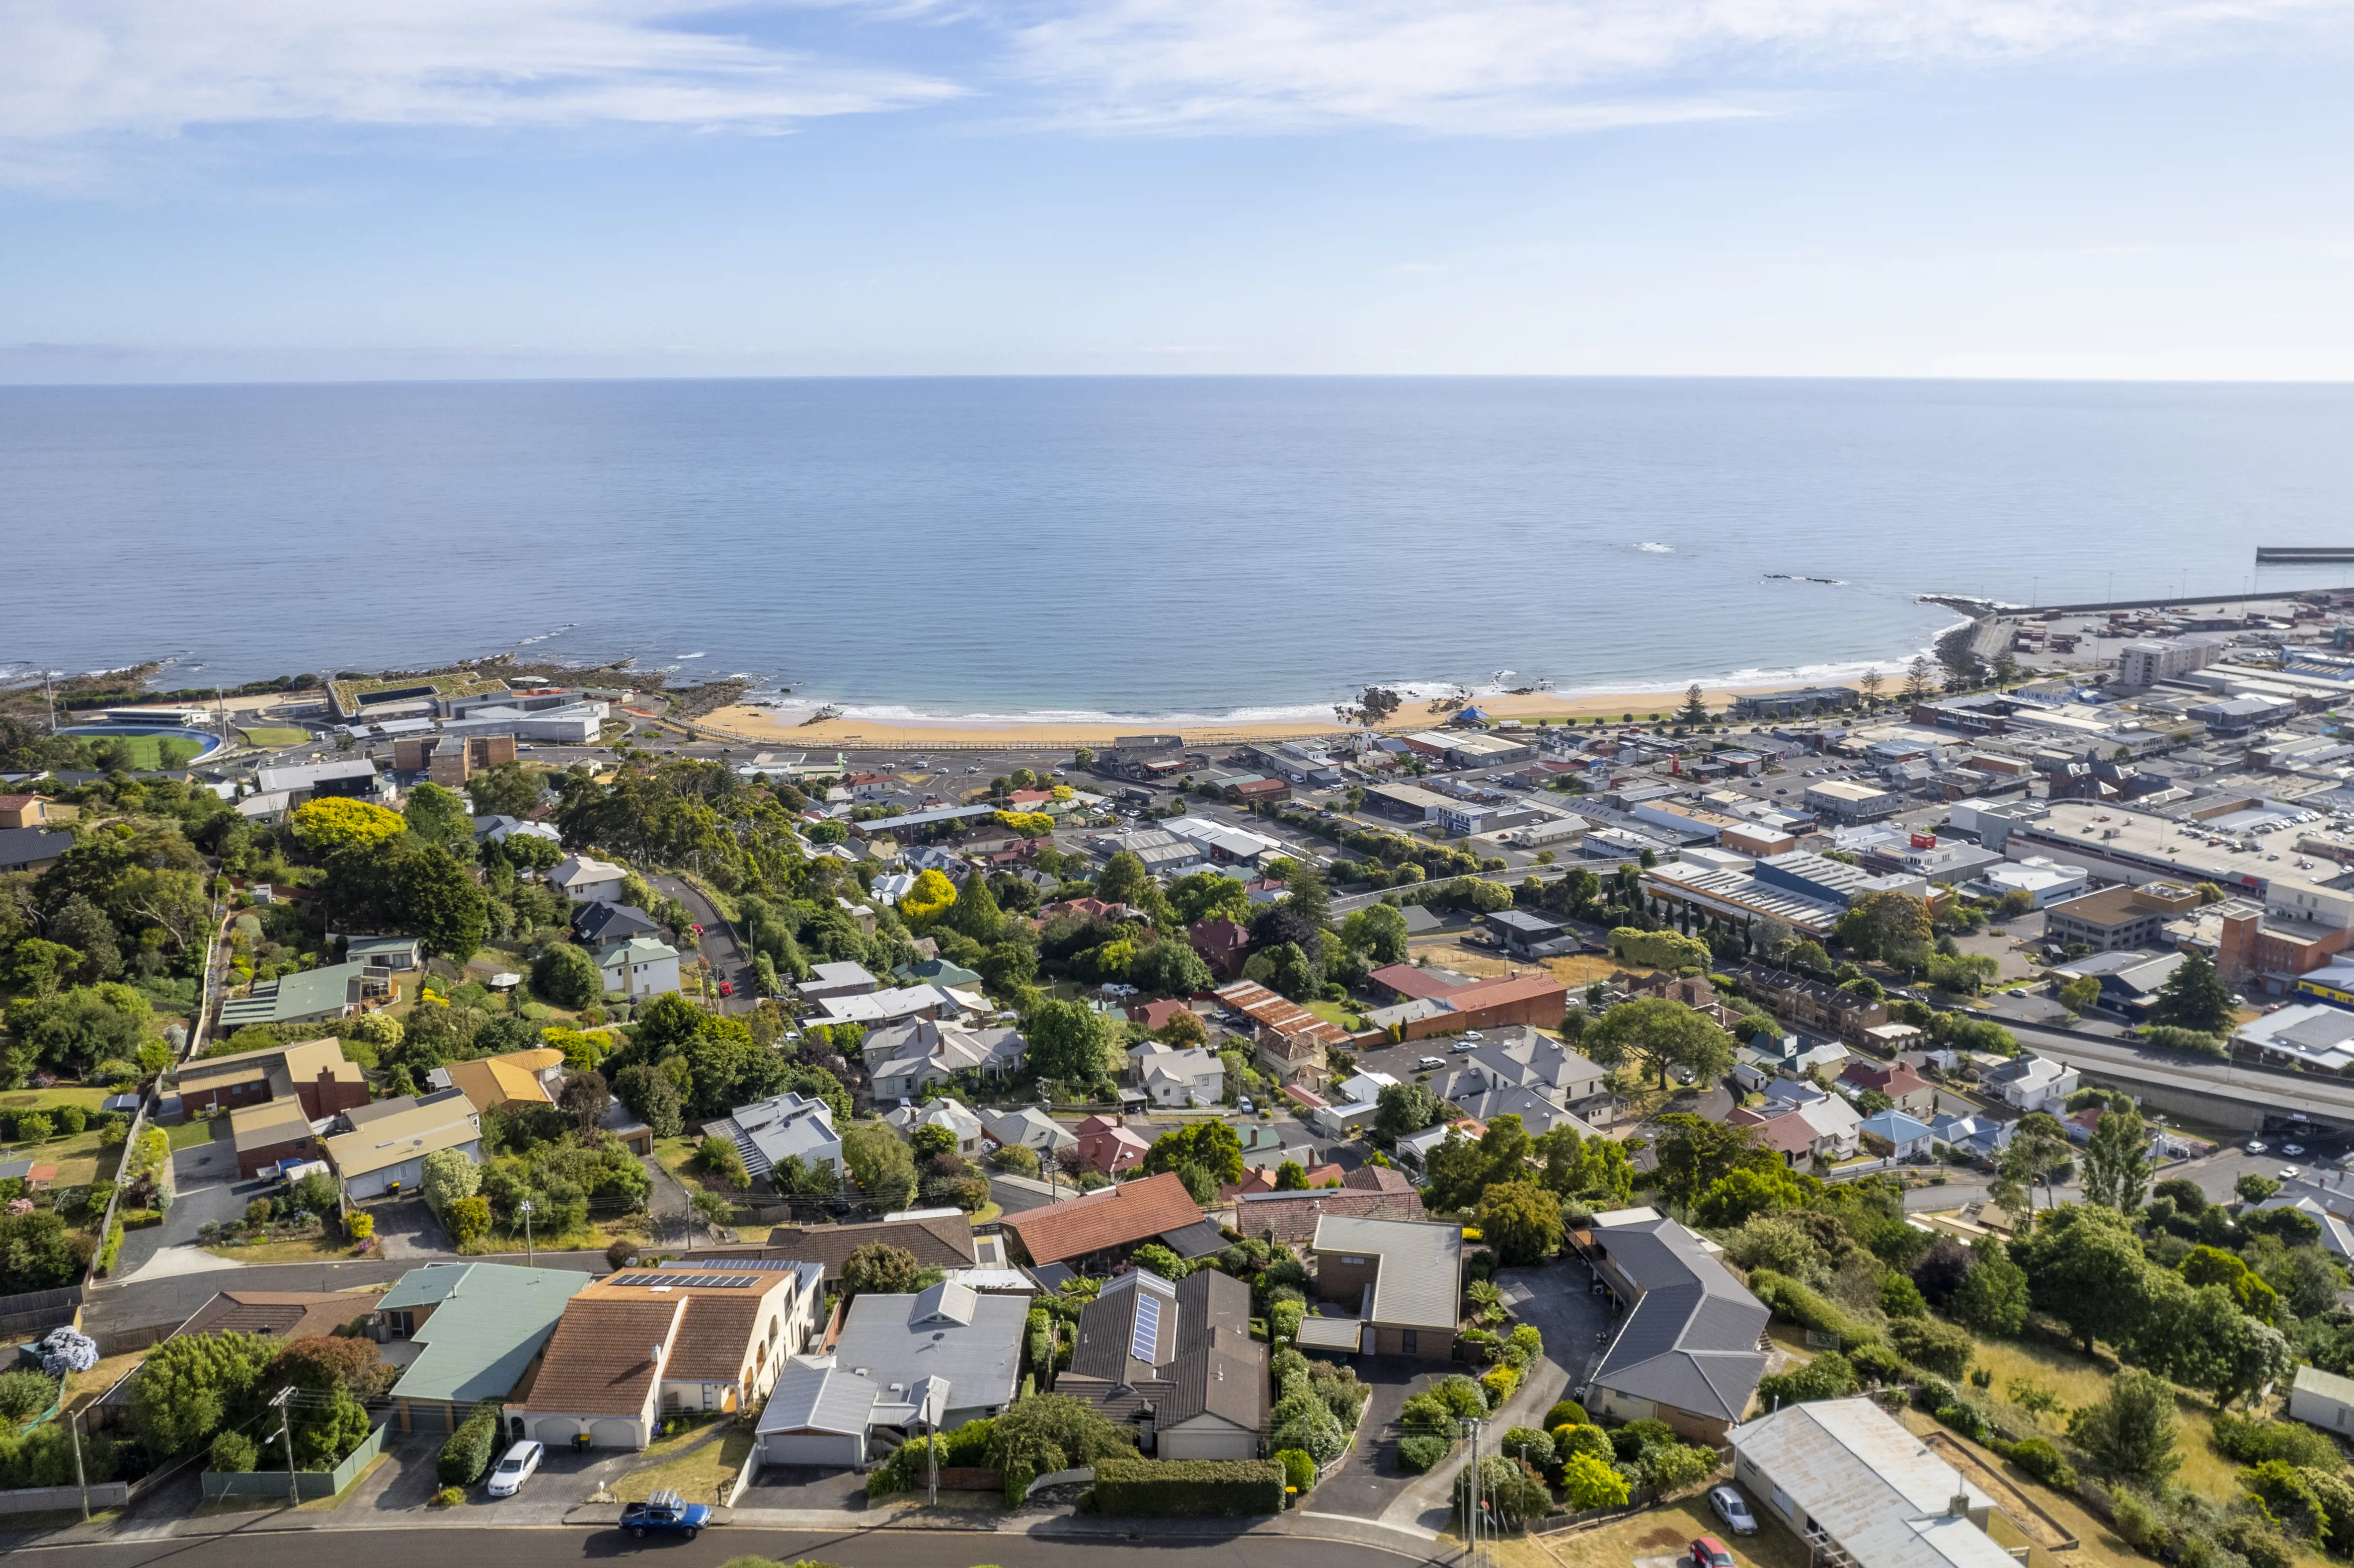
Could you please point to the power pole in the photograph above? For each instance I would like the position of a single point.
(73, 1425)
(286, 1431)
(523, 1209)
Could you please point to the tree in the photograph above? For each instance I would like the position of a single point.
(1916, 678)
(565, 976)
(929, 898)
(2131, 1433)
(719, 1156)
(1657, 1034)
(2081, 994)
(1588, 1482)
(1378, 931)
(450, 1175)
(1068, 1042)
(651, 1095)
(37, 967)
(1694, 1154)
(1402, 1108)
(1695, 708)
(584, 1098)
(879, 1268)
(326, 823)
(1290, 1178)
(1733, 1198)
(1210, 896)
(1185, 1031)
(1211, 1147)
(2036, 1147)
(36, 1253)
(880, 1164)
(317, 1195)
(1122, 880)
(74, 1029)
(2085, 1266)
(191, 1385)
(510, 790)
(1170, 968)
(2116, 1161)
(437, 898)
(439, 815)
(931, 1139)
(1868, 684)
(2194, 997)
(1520, 1221)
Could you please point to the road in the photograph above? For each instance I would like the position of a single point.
(254, 1543)
(718, 942)
(2330, 1098)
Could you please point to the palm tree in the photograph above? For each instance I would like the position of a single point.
(1486, 1301)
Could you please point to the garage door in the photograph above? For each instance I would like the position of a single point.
(1210, 1444)
(427, 1418)
(810, 1449)
(616, 1435)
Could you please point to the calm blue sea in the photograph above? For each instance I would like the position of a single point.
(1136, 547)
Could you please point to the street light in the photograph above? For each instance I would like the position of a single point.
(523, 1209)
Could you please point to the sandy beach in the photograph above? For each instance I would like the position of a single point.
(784, 729)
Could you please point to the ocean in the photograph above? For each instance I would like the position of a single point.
(1148, 548)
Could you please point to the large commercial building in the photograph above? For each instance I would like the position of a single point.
(1861, 1491)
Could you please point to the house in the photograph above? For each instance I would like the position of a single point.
(1222, 945)
(1812, 1004)
(2129, 979)
(1518, 1057)
(518, 1077)
(309, 996)
(586, 880)
(970, 1341)
(1418, 982)
(640, 1344)
(1157, 1015)
(1104, 1145)
(638, 967)
(1524, 935)
(1030, 1128)
(279, 1315)
(1905, 1090)
(936, 972)
(1896, 1135)
(1859, 1488)
(2313, 1037)
(2323, 1399)
(311, 1071)
(398, 955)
(1176, 1363)
(1170, 1078)
(1538, 1115)
(1415, 1148)
(898, 1005)
(264, 1134)
(1263, 1178)
(1403, 1279)
(820, 1414)
(598, 924)
(1686, 1352)
(478, 1326)
(2029, 1083)
(1103, 1225)
(1974, 1137)
(937, 1239)
(788, 1125)
(385, 1152)
(498, 828)
(1535, 1000)
(354, 778)
(35, 812)
(904, 1060)
(959, 1123)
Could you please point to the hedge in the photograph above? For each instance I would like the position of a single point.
(467, 1454)
(1416, 1455)
(1808, 1310)
(1188, 1488)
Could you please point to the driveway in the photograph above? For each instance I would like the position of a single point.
(1368, 1480)
(208, 1191)
(406, 1228)
(807, 1488)
(718, 945)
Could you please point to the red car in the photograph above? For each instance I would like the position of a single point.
(1707, 1551)
(728, 987)
(697, 929)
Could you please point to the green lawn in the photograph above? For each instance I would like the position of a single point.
(89, 1099)
(143, 751)
(274, 734)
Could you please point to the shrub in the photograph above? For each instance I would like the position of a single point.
(359, 1224)
(467, 1453)
(2038, 1458)
(447, 1497)
(25, 1395)
(1589, 1482)
(1528, 1443)
(1299, 1470)
(1565, 1413)
(1497, 1384)
(1304, 1421)
(1966, 1419)
(1583, 1439)
(233, 1454)
(1462, 1397)
(1528, 1342)
(1427, 1413)
(1807, 1307)
(2253, 1442)
(1940, 1347)
(1419, 1453)
(1188, 1488)
(1828, 1376)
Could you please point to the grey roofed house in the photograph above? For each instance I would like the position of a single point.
(1029, 1126)
(597, 924)
(1420, 920)
(1179, 1357)
(29, 849)
(1689, 1345)
(835, 980)
(767, 1132)
(1520, 1057)
(357, 777)
(818, 1414)
(1421, 1273)
(949, 1331)
(1538, 1115)
(904, 1059)
(1865, 1491)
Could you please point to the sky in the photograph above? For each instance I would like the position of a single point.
(293, 189)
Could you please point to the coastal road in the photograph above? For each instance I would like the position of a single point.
(256, 1541)
(719, 945)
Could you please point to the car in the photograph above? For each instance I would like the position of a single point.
(1707, 1551)
(728, 987)
(1462, 1045)
(2288, 1172)
(665, 1513)
(514, 1468)
(1733, 1509)
(1432, 1061)
(2295, 1150)
(697, 929)
(2256, 1146)
(972, 770)
(1244, 1105)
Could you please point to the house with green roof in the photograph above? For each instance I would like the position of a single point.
(304, 997)
(638, 967)
(478, 1328)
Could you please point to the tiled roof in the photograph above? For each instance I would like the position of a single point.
(281, 1314)
(497, 1080)
(1117, 1216)
(943, 1241)
(1291, 1217)
(1691, 1341)
(600, 1360)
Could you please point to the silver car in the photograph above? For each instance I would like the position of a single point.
(1733, 1509)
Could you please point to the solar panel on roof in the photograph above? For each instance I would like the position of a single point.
(1146, 1335)
(703, 1281)
(742, 1265)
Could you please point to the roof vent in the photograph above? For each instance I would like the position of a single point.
(1959, 1505)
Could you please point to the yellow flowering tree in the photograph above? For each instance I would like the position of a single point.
(1029, 824)
(332, 822)
(931, 897)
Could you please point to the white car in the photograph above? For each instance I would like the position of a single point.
(2288, 1172)
(509, 1474)
(1428, 1062)
(1733, 1509)
(2256, 1146)
(2294, 1150)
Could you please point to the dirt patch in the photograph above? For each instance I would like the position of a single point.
(2040, 1528)
(1664, 1539)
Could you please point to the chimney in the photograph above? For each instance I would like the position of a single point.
(1958, 1506)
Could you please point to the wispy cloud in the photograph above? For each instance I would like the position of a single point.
(1536, 65)
(73, 69)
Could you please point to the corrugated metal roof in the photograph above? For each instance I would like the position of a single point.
(1869, 1485)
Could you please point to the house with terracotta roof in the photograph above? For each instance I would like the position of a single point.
(1416, 982)
(1222, 945)
(1291, 1218)
(1262, 1178)
(1105, 1225)
(1157, 1015)
(1905, 1090)
(1535, 999)
(639, 1344)
(529, 1077)
(1106, 1147)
